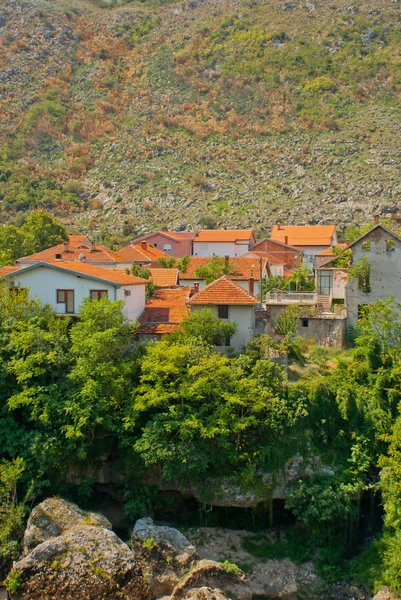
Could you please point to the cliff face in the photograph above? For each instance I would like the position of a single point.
(118, 114)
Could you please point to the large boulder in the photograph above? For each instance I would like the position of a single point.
(55, 516)
(85, 563)
(208, 573)
(163, 553)
(383, 594)
(205, 593)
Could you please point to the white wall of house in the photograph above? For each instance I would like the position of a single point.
(43, 284)
(385, 273)
(220, 248)
(244, 316)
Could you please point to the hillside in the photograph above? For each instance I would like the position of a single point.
(122, 118)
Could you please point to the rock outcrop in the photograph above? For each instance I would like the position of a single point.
(205, 593)
(208, 573)
(383, 594)
(85, 563)
(163, 553)
(53, 517)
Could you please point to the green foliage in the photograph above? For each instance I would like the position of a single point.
(215, 268)
(12, 512)
(167, 263)
(296, 546)
(300, 281)
(361, 270)
(149, 544)
(343, 257)
(206, 326)
(231, 569)
(13, 582)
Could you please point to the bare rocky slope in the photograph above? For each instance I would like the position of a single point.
(125, 117)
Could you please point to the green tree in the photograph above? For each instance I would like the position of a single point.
(215, 268)
(42, 231)
(206, 326)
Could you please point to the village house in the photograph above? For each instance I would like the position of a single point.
(223, 242)
(80, 249)
(379, 252)
(282, 258)
(242, 270)
(65, 285)
(164, 277)
(143, 254)
(173, 243)
(163, 313)
(230, 302)
(310, 239)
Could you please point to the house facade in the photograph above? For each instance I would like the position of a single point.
(282, 259)
(173, 243)
(310, 239)
(143, 254)
(65, 286)
(231, 303)
(223, 242)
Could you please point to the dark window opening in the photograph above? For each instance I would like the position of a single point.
(58, 256)
(305, 323)
(366, 247)
(390, 245)
(223, 311)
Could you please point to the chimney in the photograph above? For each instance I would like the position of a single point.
(278, 224)
(196, 287)
(286, 240)
(226, 261)
(251, 286)
(144, 245)
(65, 247)
(376, 219)
(93, 246)
(347, 242)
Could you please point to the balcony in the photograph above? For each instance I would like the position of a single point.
(283, 297)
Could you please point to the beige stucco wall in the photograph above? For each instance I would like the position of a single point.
(385, 273)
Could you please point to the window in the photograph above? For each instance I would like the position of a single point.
(97, 294)
(222, 311)
(390, 245)
(127, 292)
(58, 257)
(167, 247)
(222, 340)
(366, 247)
(66, 297)
(324, 282)
(305, 323)
(227, 340)
(155, 245)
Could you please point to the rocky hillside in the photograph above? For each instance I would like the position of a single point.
(124, 116)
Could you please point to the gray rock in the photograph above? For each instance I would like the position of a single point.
(205, 593)
(213, 575)
(163, 553)
(85, 563)
(55, 516)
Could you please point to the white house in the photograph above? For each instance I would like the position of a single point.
(65, 285)
(310, 239)
(230, 302)
(223, 242)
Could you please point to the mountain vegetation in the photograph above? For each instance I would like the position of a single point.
(123, 116)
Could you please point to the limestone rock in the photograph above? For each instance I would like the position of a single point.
(163, 553)
(55, 516)
(212, 574)
(85, 563)
(205, 593)
(383, 594)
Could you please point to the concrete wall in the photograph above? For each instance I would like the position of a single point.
(220, 248)
(244, 316)
(44, 282)
(385, 269)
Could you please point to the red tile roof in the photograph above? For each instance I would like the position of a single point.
(224, 235)
(181, 235)
(304, 235)
(164, 277)
(114, 276)
(165, 310)
(7, 270)
(140, 253)
(245, 268)
(329, 251)
(98, 254)
(223, 291)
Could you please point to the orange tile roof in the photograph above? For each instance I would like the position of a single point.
(76, 240)
(223, 291)
(139, 253)
(244, 267)
(6, 270)
(167, 307)
(158, 328)
(224, 235)
(164, 277)
(180, 235)
(304, 235)
(99, 254)
(113, 276)
(329, 251)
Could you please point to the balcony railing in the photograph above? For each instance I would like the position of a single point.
(283, 297)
